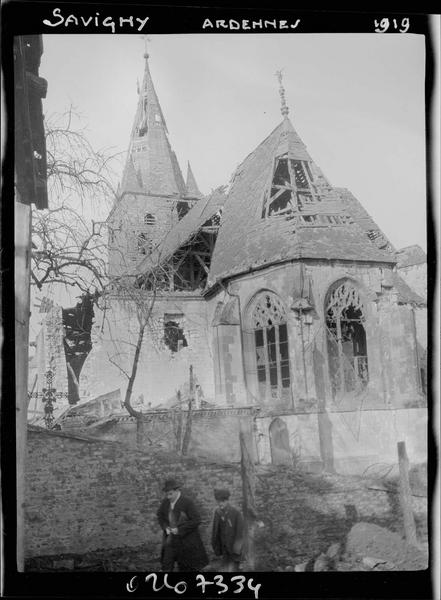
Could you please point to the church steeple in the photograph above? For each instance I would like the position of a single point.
(150, 155)
(191, 185)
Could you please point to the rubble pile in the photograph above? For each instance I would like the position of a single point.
(367, 547)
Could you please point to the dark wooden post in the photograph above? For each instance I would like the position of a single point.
(406, 495)
(140, 428)
(188, 423)
(248, 503)
(179, 422)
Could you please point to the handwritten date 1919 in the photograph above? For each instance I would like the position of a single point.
(235, 584)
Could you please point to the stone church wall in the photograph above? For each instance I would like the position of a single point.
(390, 334)
(128, 221)
(161, 371)
(92, 496)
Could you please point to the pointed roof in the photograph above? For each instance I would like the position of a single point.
(191, 185)
(316, 225)
(151, 166)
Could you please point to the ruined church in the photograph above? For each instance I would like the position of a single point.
(278, 292)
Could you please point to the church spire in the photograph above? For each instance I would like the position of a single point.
(284, 108)
(191, 185)
(150, 153)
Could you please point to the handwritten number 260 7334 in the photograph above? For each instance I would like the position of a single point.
(239, 580)
(201, 582)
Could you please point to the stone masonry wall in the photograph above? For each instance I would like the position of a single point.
(84, 496)
(161, 372)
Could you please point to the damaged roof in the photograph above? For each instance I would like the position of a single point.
(410, 256)
(247, 241)
(184, 230)
(405, 294)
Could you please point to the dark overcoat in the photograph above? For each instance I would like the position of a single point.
(228, 532)
(189, 547)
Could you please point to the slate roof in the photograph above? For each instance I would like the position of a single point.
(247, 241)
(405, 294)
(184, 230)
(151, 166)
(363, 218)
(410, 256)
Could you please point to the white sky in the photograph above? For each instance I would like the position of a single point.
(357, 101)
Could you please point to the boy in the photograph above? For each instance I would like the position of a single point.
(227, 535)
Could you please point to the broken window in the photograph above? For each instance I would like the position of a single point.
(347, 350)
(268, 319)
(174, 337)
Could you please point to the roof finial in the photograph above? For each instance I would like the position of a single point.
(146, 39)
(284, 108)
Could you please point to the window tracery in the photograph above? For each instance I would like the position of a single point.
(347, 348)
(269, 324)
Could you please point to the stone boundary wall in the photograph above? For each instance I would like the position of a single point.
(84, 495)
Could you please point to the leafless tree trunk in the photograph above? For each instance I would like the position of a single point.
(135, 362)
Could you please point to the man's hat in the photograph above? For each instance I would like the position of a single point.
(170, 484)
(221, 494)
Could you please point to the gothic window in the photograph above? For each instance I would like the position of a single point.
(149, 219)
(268, 321)
(347, 350)
(290, 188)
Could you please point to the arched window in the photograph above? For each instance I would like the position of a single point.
(347, 350)
(149, 219)
(268, 321)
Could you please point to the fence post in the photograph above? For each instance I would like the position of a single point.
(247, 471)
(178, 422)
(405, 494)
(188, 423)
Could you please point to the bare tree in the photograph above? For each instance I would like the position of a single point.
(68, 239)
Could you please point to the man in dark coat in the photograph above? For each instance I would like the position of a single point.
(179, 520)
(228, 532)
